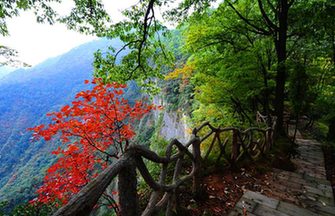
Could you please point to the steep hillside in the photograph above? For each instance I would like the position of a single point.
(26, 95)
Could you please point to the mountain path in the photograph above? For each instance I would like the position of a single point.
(305, 192)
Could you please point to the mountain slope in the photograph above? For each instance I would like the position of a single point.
(4, 70)
(25, 97)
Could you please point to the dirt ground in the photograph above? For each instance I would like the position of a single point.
(222, 190)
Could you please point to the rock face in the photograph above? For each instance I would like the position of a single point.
(174, 125)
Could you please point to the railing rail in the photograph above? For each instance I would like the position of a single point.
(251, 142)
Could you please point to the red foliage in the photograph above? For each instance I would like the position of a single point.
(95, 128)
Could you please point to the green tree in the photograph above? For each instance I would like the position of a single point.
(268, 37)
(314, 49)
(233, 67)
(269, 32)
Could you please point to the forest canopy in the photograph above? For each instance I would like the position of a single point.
(258, 53)
(221, 61)
(254, 51)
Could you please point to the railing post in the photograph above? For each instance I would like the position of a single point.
(270, 138)
(127, 186)
(235, 148)
(197, 163)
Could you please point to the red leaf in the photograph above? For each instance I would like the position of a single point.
(65, 108)
(93, 122)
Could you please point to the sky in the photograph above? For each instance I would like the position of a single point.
(36, 42)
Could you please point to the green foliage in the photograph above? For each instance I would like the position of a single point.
(26, 96)
(89, 17)
(235, 67)
(223, 68)
(157, 143)
(3, 204)
(9, 57)
(86, 16)
(25, 210)
(325, 102)
(230, 78)
(178, 94)
(145, 130)
(319, 131)
(298, 89)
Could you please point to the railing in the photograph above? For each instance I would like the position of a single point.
(232, 145)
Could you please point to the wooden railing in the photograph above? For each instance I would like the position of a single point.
(232, 144)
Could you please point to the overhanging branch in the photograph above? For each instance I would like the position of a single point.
(248, 22)
(270, 24)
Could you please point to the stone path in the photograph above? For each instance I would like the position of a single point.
(305, 192)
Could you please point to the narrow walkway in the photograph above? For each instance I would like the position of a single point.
(305, 192)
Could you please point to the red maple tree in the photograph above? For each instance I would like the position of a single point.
(94, 129)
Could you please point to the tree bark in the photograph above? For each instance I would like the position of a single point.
(331, 126)
(83, 202)
(196, 189)
(235, 149)
(127, 186)
(331, 130)
(280, 43)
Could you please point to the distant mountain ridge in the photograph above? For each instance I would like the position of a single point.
(4, 70)
(26, 95)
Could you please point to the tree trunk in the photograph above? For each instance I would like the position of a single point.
(331, 127)
(333, 45)
(331, 130)
(127, 185)
(266, 100)
(266, 106)
(280, 42)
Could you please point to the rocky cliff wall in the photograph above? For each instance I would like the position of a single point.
(174, 125)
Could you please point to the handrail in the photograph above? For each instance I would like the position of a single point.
(164, 192)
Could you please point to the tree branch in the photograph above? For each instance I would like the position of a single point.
(269, 23)
(247, 21)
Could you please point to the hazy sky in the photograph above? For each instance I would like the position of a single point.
(37, 42)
